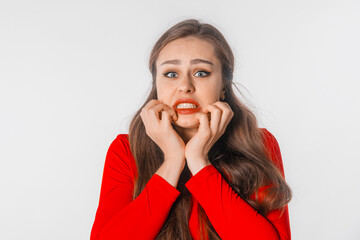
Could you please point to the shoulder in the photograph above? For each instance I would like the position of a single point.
(121, 141)
(122, 138)
(119, 153)
(273, 148)
(267, 135)
(269, 139)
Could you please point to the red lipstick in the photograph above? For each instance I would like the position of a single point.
(186, 110)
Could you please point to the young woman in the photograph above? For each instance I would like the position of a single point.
(195, 164)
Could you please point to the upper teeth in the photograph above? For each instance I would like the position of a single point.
(186, 105)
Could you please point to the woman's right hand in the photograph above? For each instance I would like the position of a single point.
(157, 118)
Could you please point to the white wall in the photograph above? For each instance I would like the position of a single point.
(72, 73)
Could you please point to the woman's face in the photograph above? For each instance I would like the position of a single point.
(187, 69)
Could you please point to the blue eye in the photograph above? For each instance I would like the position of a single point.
(202, 75)
(166, 74)
(174, 74)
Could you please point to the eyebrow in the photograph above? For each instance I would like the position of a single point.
(193, 61)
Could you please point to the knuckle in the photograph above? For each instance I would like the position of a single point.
(142, 116)
(218, 109)
(207, 134)
(219, 103)
(143, 110)
(227, 112)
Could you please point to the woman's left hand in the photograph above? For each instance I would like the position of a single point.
(198, 147)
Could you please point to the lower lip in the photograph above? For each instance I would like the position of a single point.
(187, 110)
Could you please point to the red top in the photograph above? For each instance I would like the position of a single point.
(118, 217)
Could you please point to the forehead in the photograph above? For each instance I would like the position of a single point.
(186, 49)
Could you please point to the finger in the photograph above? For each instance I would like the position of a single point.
(171, 111)
(227, 114)
(166, 118)
(156, 110)
(172, 114)
(151, 103)
(216, 114)
(204, 127)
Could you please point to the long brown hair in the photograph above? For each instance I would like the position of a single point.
(239, 155)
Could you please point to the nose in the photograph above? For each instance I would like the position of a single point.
(186, 85)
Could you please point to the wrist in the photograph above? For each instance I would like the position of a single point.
(174, 160)
(174, 157)
(196, 165)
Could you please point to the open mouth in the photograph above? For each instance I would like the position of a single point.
(186, 106)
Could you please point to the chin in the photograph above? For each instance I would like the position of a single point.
(188, 122)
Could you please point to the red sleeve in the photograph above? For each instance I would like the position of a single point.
(230, 215)
(117, 216)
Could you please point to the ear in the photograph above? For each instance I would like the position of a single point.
(222, 95)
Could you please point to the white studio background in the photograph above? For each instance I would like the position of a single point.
(72, 74)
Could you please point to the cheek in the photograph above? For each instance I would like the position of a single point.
(164, 88)
(212, 92)
(160, 89)
(164, 94)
